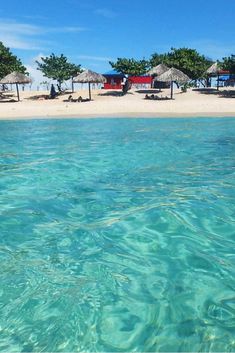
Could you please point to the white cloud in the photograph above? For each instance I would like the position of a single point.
(36, 75)
(25, 36)
(21, 35)
(35, 17)
(65, 29)
(94, 58)
(38, 57)
(105, 13)
(16, 42)
(9, 26)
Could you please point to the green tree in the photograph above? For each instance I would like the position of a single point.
(157, 59)
(9, 62)
(187, 60)
(229, 64)
(130, 67)
(58, 68)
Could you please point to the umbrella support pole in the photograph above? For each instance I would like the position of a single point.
(17, 90)
(89, 91)
(218, 83)
(172, 89)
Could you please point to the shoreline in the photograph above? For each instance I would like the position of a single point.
(132, 115)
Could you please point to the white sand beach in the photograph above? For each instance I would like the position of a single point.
(112, 104)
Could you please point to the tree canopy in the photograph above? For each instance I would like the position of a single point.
(157, 59)
(130, 67)
(58, 68)
(187, 60)
(9, 62)
(229, 64)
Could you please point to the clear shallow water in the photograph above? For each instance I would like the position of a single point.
(117, 235)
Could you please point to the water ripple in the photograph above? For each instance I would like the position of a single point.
(117, 235)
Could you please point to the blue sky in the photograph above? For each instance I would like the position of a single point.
(92, 32)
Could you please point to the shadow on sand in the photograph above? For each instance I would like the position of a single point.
(9, 101)
(221, 93)
(206, 90)
(227, 94)
(149, 91)
(47, 96)
(113, 94)
(37, 97)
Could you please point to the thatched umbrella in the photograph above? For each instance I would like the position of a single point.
(158, 70)
(89, 77)
(16, 78)
(173, 75)
(214, 70)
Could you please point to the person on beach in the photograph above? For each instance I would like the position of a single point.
(53, 93)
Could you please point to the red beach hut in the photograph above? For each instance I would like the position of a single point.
(113, 80)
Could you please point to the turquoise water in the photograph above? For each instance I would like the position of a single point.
(117, 235)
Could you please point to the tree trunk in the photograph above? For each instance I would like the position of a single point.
(59, 84)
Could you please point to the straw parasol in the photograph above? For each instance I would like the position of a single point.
(16, 78)
(89, 77)
(158, 70)
(213, 69)
(173, 75)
